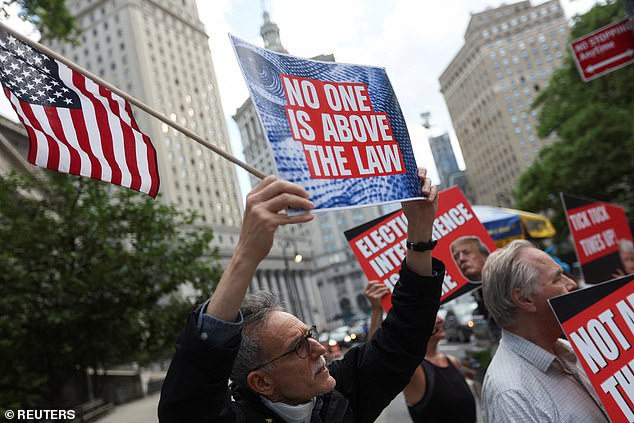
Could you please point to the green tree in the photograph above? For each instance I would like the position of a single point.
(51, 17)
(594, 123)
(92, 276)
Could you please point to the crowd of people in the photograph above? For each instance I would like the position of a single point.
(241, 358)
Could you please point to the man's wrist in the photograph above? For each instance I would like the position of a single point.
(419, 237)
(419, 231)
(421, 246)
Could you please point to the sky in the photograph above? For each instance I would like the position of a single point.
(413, 40)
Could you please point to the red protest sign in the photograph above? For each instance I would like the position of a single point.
(604, 50)
(379, 245)
(597, 229)
(341, 134)
(599, 323)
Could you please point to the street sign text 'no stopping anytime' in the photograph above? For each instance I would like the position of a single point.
(604, 50)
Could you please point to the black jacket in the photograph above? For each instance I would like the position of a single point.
(368, 377)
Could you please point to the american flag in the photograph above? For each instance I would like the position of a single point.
(75, 125)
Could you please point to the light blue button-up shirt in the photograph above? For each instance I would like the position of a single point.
(525, 383)
(214, 331)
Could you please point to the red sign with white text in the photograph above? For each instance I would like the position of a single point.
(604, 50)
(599, 323)
(379, 245)
(596, 228)
(341, 134)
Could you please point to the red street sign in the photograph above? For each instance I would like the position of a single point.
(604, 50)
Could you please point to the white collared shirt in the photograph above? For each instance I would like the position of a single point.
(525, 383)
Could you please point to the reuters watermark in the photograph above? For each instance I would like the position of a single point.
(39, 415)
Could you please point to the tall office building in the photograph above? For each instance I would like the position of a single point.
(489, 86)
(444, 158)
(158, 51)
(332, 272)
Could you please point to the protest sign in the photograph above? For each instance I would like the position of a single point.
(335, 129)
(597, 228)
(599, 323)
(379, 245)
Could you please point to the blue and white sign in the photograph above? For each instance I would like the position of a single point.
(335, 129)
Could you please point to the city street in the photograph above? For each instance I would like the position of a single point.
(135, 143)
(144, 410)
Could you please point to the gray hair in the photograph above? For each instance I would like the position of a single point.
(626, 245)
(255, 309)
(502, 274)
(482, 249)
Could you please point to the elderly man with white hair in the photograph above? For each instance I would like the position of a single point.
(626, 254)
(534, 375)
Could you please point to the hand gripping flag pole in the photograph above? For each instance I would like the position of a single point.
(79, 123)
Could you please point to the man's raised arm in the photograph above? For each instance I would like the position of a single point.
(261, 218)
(195, 388)
(420, 219)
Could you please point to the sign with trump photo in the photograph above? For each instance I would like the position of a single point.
(380, 245)
(335, 129)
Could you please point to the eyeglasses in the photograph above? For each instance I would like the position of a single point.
(301, 348)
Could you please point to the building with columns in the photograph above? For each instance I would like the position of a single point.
(334, 271)
(507, 58)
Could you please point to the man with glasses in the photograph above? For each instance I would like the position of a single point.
(273, 359)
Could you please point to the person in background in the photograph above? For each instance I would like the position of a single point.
(437, 391)
(534, 375)
(626, 254)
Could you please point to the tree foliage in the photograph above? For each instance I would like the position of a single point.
(594, 123)
(91, 277)
(50, 17)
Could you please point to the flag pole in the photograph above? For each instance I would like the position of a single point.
(134, 101)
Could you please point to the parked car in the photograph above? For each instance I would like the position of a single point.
(341, 335)
(358, 331)
(459, 321)
(333, 350)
